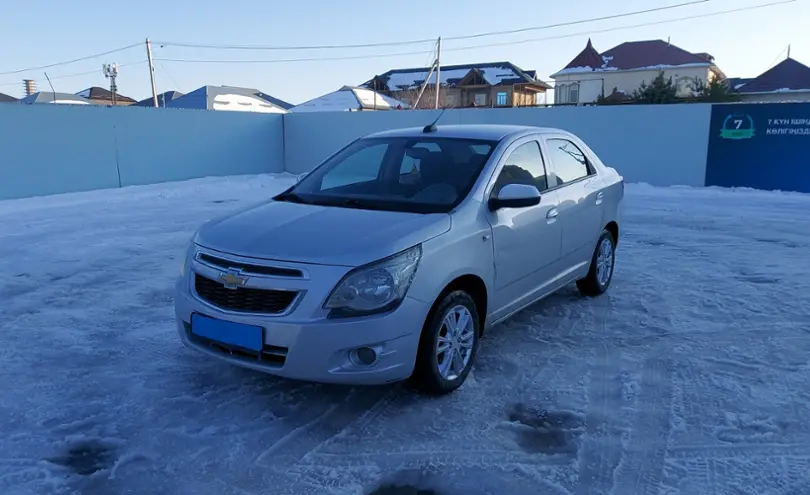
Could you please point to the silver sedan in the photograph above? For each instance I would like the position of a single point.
(390, 259)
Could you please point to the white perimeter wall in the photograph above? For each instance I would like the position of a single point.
(52, 149)
(659, 144)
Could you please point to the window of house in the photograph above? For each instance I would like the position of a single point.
(450, 99)
(524, 166)
(561, 93)
(502, 99)
(569, 162)
(480, 99)
(684, 87)
(573, 93)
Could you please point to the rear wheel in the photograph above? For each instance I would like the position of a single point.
(600, 274)
(448, 345)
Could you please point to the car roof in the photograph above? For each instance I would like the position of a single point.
(489, 132)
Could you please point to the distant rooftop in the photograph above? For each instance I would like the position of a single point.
(349, 98)
(163, 99)
(494, 73)
(650, 54)
(216, 98)
(96, 93)
(787, 75)
(58, 98)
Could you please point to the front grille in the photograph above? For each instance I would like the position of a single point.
(274, 271)
(243, 299)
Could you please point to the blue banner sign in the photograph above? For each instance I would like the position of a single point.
(760, 145)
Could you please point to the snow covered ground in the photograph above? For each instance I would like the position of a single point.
(691, 376)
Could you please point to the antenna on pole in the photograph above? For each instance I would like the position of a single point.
(111, 72)
(438, 70)
(152, 71)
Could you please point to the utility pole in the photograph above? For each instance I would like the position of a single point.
(788, 54)
(111, 72)
(151, 71)
(415, 104)
(438, 70)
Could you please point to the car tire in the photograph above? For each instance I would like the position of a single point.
(433, 374)
(600, 273)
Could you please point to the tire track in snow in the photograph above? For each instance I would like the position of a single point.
(294, 446)
(601, 446)
(641, 470)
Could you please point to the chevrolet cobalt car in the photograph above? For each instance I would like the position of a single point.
(390, 260)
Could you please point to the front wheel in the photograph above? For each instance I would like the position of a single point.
(448, 345)
(600, 274)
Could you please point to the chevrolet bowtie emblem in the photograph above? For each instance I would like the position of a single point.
(233, 279)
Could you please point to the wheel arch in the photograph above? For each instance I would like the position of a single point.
(472, 285)
(613, 228)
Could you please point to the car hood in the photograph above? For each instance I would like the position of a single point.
(324, 235)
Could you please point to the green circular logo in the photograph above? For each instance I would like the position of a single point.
(737, 126)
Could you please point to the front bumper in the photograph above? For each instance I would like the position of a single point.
(304, 345)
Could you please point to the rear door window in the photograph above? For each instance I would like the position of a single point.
(568, 162)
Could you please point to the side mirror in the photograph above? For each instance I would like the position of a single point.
(515, 196)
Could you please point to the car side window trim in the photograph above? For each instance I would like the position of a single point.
(511, 152)
(592, 172)
(496, 172)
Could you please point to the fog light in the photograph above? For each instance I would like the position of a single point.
(363, 356)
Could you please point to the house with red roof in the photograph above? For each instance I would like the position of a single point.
(624, 67)
(788, 80)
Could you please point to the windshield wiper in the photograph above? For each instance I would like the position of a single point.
(361, 204)
(293, 198)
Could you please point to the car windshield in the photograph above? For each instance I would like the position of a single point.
(409, 174)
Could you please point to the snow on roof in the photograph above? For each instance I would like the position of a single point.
(214, 98)
(349, 98)
(243, 103)
(579, 70)
(59, 98)
(495, 73)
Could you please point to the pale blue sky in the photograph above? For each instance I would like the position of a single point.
(40, 32)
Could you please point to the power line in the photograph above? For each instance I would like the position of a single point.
(166, 71)
(431, 40)
(80, 59)
(94, 71)
(584, 21)
(633, 26)
(785, 49)
(476, 47)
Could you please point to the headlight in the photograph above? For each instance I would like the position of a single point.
(189, 252)
(375, 288)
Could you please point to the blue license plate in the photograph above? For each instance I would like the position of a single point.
(228, 332)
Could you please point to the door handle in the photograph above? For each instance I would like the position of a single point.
(599, 197)
(551, 216)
